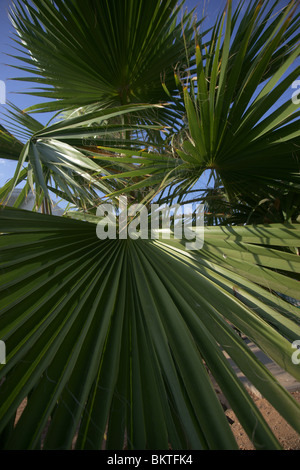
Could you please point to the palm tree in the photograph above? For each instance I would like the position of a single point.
(119, 343)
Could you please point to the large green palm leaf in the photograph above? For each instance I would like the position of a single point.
(103, 52)
(116, 341)
(232, 129)
(241, 123)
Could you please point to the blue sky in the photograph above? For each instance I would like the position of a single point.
(15, 90)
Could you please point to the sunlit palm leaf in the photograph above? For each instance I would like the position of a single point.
(109, 53)
(110, 340)
(229, 129)
(243, 134)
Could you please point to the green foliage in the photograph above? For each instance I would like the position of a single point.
(112, 338)
(122, 343)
